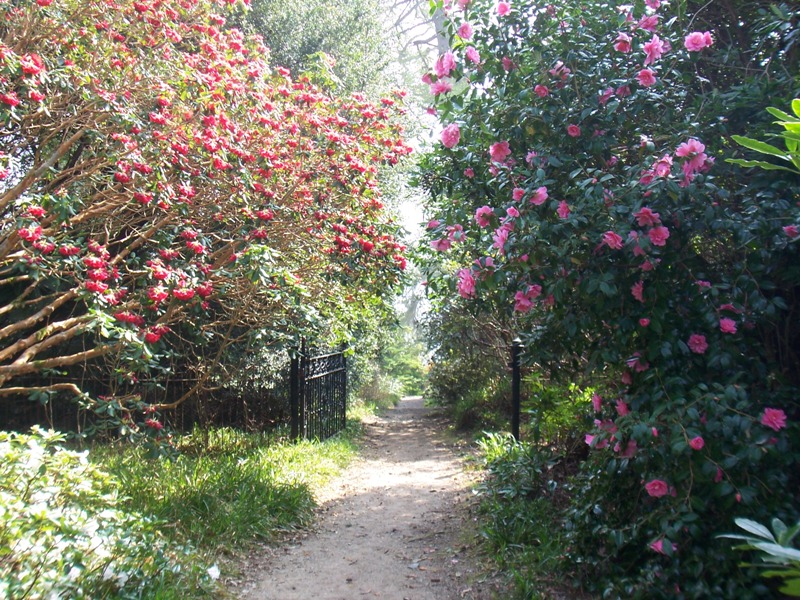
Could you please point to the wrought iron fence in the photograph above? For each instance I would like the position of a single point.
(318, 394)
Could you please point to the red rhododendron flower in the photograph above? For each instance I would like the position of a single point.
(31, 64)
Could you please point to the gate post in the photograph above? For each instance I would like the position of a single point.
(294, 395)
(516, 349)
(344, 386)
(297, 399)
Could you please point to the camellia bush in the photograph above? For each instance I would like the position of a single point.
(168, 199)
(580, 185)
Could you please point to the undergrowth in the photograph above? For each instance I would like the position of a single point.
(116, 523)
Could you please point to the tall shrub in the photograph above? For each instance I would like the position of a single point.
(581, 179)
(168, 197)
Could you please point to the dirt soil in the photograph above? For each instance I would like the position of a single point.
(396, 525)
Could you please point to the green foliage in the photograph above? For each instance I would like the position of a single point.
(350, 33)
(556, 412)
(65, 532)
(791, 139)
(524, 532)
(776, 550)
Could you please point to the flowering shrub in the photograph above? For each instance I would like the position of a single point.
(586, 196)
(64, 534)
(165, 193)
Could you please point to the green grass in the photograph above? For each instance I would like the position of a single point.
(519, 520)
(227, 489)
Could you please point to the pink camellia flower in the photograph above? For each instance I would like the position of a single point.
(622, 408)
(512, 212)
(697, 41)
(450, 135)
(644, 322)
(499, 151)
(637, 290)
(774, 418)
(441, 86)
(657, 488)
(500, 237)
(523, 301)
(597, 402)
(623, 43)
(654, 4)
(664, 166)
(484, 215)
(508, 64)
(630, 449)
(648, 23)
(658, 546)
(697, 343)
(472, 55)
(563, 209)
(658, 235)
(653, 50)
(433, 224)
(539, 196)
(466, 283)
(441, 245)
(694, 151)
(445, 65)
(573, 130)
(604, 98)
(727, 325)
(560, 70)
(697, 443)
(465, 31)
(612, 240)
(518, 194)
(646, 78)
(541, 91)
(469, 173)
(791, 231)
(647, 218)
(503, 8)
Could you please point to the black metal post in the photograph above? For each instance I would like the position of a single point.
(294, 395)
(516, 350)
(344, 386)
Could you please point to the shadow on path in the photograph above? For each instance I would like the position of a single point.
(392, 526)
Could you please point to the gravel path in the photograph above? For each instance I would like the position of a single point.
(396, 525)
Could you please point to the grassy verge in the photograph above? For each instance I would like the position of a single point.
(226, 490)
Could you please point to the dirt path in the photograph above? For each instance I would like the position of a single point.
(394, 526)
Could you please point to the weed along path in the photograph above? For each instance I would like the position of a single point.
(396, 525)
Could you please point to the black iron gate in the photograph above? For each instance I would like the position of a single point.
(318, 394)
